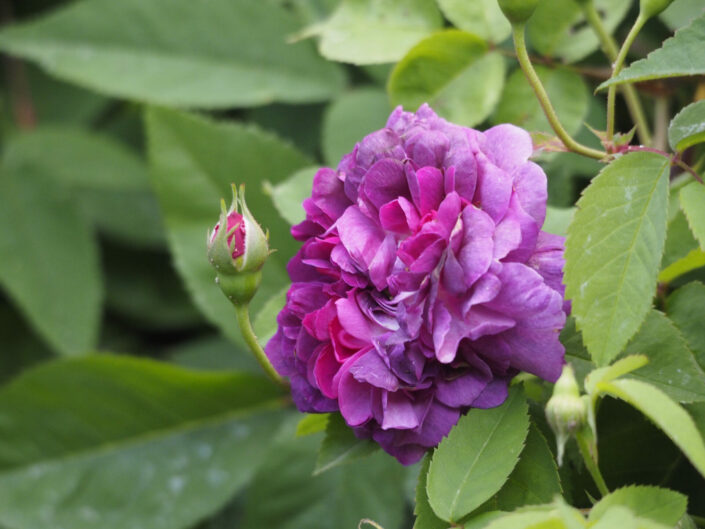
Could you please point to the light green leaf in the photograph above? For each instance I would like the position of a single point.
(288, 195)
(130, 443)
(483, 18)
(618, 369)
(661, 505)
(442, 70)
(193, 162)
(678, 56)
(528, 519)
(49, 264)
(519, 105)
(690, 262)
(692, 199)
(688, 127)
(340, 445)
(558, 220)
(535, 478)
(671, 367)
(349, 118)
(681, 12)
(476, 458)
(613, 251)
(425, 517)
(559, 29)
(664, 412)
(265, 321)
(284, 494)
(679, 239)
(312, 423)
(159, 52)
(105, 178)
(685, 309)
(371, 32)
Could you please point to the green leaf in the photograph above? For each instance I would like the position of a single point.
(159, 52)
(622, 215)
(692, 199)
(672, 367)
(284, 494)
(49, 264)
(130, 443)
(612, 372)
(681, 12)
(265, 322)
(288, 195)
(688, 127)
(370, 32)
(312, 423)
(671, 418)
(213, 353)
(679, 56)
(21, 347)
(349, 118)
(559, 29)
(661, 505)
(483, 18)
(679, 239)
(535, 478)
(340, 445)
(425, 517)
(476, 458)
(519, 105)
(685, 309)
(192, 161)
(692, 261)
(442, 70)
(528, 519)
(558, 220)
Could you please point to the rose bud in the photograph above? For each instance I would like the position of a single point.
(566, 411)
(239, 251)
(518, 11)
(651, 8)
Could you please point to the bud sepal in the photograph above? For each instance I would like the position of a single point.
(566, 410)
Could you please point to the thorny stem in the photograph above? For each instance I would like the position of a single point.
(544, 101)
(591, 464)
(243, 320)
(631, 97)
(616, 68)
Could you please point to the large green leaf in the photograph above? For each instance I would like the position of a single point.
(425, 517)
(117, 442)
(193, 162)
(672, 367)
(688, 127)
(288, 195)
(684, 308)
(349, 118)
(613, 251)
(284, 494)
(483, 18)
(371, 32)
(559, 29)
(340, 445)
(661, 505)
(681, 12)
(177, 52)
(692, 199)
(476, 458)
(49, 264)
(519, 105)
(104, 177)
(442, 70)
(678, 56)
(664, 412)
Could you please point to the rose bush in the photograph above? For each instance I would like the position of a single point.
(424, 283)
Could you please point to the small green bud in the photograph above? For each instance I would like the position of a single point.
(566, 411)
(651, 8)
(237, 249)
(518, 11)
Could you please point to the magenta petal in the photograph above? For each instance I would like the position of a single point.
(478, 244)
(461, 390)
(360, 236)
(371, 369)
(430, 189)
(325, 369)
(354, 399)
(398, 412)
(384, 182)
(531, 188)
(399, 216)
(494, 189)
(493, 395)
(508, 146)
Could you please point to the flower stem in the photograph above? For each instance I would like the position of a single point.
(631, 97)
(544, 101)
(591, 462)
(243, 320)
(617, 66)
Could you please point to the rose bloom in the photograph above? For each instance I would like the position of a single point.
(424, 283)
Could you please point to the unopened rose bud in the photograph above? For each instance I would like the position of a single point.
(237, 249)
(651, 8)
(518, 11)
(565, 411)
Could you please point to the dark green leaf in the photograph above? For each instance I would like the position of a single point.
(692, 199)
(688, 127)
(678, 56)
(130, 443)
(340, 445)
(622, 214)
(442, 70)
(192, 161)
(661, 505)
(685, 309)
(483, 18)
(159, 52)
(476, 458)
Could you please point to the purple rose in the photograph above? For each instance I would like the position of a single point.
(424, 283)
